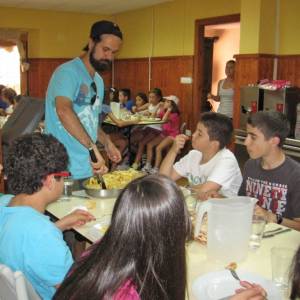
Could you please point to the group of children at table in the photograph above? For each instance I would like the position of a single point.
(142, 254)
(156, 137)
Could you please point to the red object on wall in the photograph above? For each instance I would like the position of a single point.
(254, 106)
(279, 107)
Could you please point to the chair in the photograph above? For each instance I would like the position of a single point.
(14, 286)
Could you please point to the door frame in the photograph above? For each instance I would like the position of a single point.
(198, 59)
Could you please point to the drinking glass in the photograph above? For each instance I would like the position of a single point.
(258, 227)
(68, 189)
(281, 258)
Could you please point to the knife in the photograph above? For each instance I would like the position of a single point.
(275, 233)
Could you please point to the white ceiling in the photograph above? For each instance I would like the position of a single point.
(103, 7)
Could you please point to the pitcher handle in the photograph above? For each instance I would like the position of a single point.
(201, 210)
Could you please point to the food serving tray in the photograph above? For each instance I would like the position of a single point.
(101, 193)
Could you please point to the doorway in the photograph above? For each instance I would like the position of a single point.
(212, 35)
(10, 67)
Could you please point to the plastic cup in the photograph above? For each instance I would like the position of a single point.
(258, 227)
(188, 133)
(281, 259)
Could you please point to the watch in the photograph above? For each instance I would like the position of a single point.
(279, 218)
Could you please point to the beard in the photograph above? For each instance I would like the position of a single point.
(100, 65)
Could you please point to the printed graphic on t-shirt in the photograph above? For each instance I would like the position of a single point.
(270, 195)
(81, 98)
(194, 179)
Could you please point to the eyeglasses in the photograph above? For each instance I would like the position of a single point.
(60, 174)
(94, 87)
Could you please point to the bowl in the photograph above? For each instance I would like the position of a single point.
(101, 193)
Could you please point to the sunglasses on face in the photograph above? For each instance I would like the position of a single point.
(94, 87)
(58, 175)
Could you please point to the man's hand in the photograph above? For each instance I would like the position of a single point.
(113, 152)
(77, 218)
(99, 166)
(179, 142)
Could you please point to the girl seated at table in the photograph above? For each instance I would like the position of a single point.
(170, 114)
(141, 103)
(120, 137)
(146, 134)
(142, 254)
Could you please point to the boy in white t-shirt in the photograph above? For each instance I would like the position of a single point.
(209, 167)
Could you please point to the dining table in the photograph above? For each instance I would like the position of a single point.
(257, 262)
(137, 121)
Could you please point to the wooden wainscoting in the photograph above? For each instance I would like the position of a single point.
(289, 68)
(165, 74)
(250, 68)
(40, 73)
(41, 70)
(132, 73)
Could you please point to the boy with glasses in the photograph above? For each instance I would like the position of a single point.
(29, 241)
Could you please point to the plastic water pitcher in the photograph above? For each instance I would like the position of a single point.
(229, 227)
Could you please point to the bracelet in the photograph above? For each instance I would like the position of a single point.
(279, 218)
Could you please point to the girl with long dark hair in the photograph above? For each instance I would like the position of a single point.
(142, 254)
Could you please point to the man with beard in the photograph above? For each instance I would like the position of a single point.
(74, 100)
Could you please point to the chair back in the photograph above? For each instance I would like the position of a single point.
(14, 286)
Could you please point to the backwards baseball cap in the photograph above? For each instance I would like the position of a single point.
(103, 27)
(172, 98)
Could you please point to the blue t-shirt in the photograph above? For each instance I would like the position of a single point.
(73, 81)
(31, 243)
(3, 104)
(5, 199)
(129, 104)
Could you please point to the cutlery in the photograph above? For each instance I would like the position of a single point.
(99, 176)
(101, 181)
(275, 233)
(234, 274)
(274, 230)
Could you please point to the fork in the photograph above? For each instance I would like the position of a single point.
(234, 274)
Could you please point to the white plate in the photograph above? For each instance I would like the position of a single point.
(217, 285)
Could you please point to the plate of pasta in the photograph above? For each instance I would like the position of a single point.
(114, 181)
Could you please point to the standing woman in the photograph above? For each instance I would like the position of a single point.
(142, 254)
(225, 91)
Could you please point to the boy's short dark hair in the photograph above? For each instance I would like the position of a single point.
(271, 124)
(30, 159)
(219, 127)
(125, 92)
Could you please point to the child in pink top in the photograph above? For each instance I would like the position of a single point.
(142, 254)
(170, 129)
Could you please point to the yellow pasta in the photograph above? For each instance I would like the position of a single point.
(114, 180)
(93, 184)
